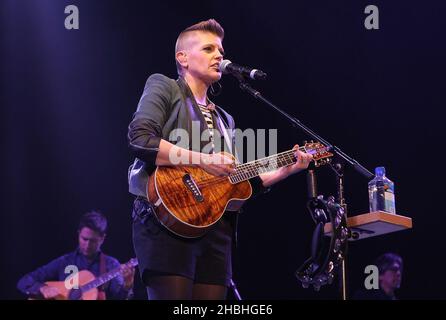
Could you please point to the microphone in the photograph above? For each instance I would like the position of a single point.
(226, 66)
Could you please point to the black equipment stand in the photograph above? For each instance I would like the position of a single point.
(337, 165)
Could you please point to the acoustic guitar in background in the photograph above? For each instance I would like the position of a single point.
(87, 284)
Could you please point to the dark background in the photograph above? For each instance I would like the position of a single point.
(67, 97)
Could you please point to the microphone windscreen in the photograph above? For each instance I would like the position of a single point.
(224, 64)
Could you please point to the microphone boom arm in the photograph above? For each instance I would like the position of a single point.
(298, 124)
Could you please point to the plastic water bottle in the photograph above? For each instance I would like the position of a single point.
(381, 192)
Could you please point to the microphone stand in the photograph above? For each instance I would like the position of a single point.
(337, 165)
(235, 290)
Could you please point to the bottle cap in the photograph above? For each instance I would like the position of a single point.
(380, 171)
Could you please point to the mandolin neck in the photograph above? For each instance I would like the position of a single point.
(254, 168)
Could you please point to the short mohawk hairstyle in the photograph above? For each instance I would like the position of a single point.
(210, 25)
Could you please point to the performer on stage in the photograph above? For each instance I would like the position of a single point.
(173, 267)
(88, 256)
(390, 267)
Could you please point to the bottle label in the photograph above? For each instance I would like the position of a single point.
(389, 199)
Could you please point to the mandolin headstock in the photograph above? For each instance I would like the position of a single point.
(321, 154)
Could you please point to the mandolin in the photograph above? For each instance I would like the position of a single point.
(188, 200)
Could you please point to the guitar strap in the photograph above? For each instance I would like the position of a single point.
(224, 131)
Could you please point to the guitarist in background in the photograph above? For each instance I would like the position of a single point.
(173, 267)
(88, 256)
